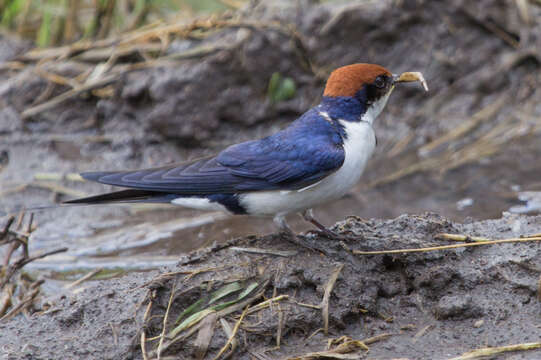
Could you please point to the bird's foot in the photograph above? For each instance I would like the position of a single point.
(308, 215)
(331, 235)
(300, 240)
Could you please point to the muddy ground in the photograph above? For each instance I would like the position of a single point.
(433, 305)
(467, 150)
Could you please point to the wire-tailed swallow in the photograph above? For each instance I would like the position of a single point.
(316, 159)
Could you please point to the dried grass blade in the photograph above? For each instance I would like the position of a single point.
(204, 336)
(327, 295)
(165, 318)
(68, 95)
(493, 351)
(235, 329)
(347, 350)
(444, 247)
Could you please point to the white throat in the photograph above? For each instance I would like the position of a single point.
(376, 108)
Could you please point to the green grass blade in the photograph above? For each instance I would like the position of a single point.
(224, 291)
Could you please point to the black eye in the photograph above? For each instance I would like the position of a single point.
(379, 82)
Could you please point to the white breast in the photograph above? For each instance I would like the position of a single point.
(358, 148)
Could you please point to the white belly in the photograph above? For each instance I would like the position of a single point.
(358, 148)
(198, 204)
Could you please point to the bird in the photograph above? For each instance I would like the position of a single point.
(316, 159)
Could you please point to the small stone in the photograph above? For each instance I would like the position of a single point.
(457, 307)
(478, 323)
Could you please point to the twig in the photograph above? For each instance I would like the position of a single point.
(5, 298)
(20, 219)
(5, 230)
(376, 338)
(283, 253)
(55, 78)
(41, 256)
(235, 329)
(51, 176)
(458, 237)
(421, 332)
(20, 263)
(279, 328)
(310, 306)
(24, 240)
(443, 247)
(68, 95)
(84, 278)
(348, 347)
(314, 334)
(160, 344)
(266, 303)
(12, 65)
(16, 236)
(229, 331)
(493, 351)
(327, 295)
(344, 340)
(26, 301)
(143, 331)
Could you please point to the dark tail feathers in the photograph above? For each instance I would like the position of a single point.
(125, 196)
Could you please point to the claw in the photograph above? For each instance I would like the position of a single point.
(308, 215)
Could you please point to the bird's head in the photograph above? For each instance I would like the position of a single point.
(360, 91)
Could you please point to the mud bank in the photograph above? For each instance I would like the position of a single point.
(432, 305)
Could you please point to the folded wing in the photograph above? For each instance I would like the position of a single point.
(284, 160)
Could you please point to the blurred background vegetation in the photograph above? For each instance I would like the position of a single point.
(58, 22)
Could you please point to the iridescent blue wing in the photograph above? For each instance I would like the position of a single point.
(298, 156)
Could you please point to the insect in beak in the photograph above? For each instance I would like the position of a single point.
(410, 77)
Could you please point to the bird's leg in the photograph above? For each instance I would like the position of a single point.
(298, 240)
(308, 215)
(280, 221)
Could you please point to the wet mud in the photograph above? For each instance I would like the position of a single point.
(430, 305)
